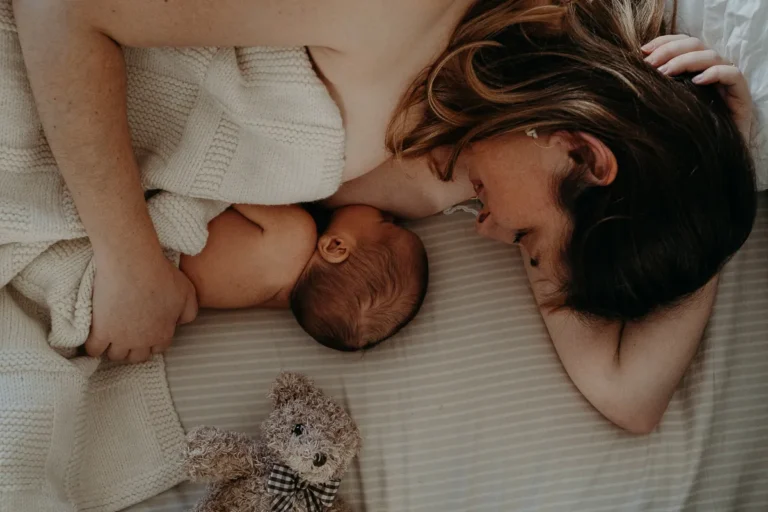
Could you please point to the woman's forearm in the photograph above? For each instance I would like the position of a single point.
(655, 353)
(628, 372)
(406, 188)
(78, 79)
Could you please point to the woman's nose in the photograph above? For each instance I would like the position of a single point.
(486, 226)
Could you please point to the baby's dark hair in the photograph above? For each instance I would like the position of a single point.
(366, 299)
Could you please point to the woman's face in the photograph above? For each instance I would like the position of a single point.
(515, 177)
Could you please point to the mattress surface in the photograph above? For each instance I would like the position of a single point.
(469, 409)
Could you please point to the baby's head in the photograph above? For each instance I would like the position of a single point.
(365, 281)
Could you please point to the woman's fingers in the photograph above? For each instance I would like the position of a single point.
(692, 62)
(674, 48)
(117, 353)
(662, 40)
(734, 90)
(138, 355)
(727, 75)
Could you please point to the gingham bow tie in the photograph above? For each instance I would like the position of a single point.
(286, 487)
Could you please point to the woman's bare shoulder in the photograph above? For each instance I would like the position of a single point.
(335, 24)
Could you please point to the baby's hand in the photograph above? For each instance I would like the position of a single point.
(677, 54)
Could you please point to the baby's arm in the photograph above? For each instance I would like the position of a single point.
(253, 256)
(628, 372)
(407, 189)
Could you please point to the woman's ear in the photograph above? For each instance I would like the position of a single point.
(600, 160)
(333, 248)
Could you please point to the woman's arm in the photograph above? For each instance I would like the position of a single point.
(627, 372)
(78, 80)
(405, 188)
(77, 73)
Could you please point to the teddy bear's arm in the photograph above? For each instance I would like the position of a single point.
(217, 455)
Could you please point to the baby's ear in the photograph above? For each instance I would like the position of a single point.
(333, 248)
(290, 386)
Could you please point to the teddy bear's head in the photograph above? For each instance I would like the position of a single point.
(308, 431)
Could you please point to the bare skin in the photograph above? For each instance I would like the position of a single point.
(255, 254)
(628, 372)
(368, 53)
(253, 257)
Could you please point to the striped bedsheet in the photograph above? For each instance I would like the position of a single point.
(469, 408)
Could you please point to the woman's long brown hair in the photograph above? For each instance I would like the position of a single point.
(444, 95)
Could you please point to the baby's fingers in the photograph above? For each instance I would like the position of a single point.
(692, 62)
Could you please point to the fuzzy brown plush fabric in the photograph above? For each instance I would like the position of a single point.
(307, 432)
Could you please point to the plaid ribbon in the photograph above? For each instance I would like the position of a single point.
(286, 487)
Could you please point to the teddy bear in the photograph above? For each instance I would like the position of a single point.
(306, 445)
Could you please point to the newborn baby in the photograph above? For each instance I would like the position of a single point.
(354, 286)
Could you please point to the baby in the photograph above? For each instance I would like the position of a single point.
(352, 287)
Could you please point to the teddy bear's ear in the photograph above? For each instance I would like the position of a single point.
(290, 386)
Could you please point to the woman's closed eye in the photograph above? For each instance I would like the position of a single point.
(520, 234)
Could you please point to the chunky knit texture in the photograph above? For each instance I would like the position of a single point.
(210, 127)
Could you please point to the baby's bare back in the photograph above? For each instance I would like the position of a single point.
(253, 257)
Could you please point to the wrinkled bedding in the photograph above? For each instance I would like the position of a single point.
(737, 30)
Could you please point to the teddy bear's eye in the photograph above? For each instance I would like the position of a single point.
(298, 429)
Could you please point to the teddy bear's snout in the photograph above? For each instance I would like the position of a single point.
(319, 460)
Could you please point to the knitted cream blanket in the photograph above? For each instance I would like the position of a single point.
(210, 127)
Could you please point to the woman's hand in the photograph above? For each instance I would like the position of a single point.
(137, 304)
(677, 54)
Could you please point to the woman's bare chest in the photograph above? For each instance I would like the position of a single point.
(369, 86)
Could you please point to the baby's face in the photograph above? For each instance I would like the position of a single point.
(360, 222)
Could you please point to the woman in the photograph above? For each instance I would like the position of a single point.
(369, 54)
(633, 193)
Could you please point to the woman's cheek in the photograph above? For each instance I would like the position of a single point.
(488, 228)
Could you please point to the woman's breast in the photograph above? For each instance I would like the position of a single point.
(368, 85)
(366, 102)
